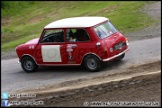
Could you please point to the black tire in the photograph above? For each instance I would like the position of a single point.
(28, 64)
(120, 57)
(92, 63)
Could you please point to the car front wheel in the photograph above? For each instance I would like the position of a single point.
(92, 63)
(28, 64)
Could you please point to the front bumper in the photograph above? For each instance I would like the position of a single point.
(113, 57)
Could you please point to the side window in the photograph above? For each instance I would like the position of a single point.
(71, 35)
(56, 35)
(76, 35)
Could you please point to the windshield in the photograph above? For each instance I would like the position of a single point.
(104, 30)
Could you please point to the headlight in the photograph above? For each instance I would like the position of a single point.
(127, 41)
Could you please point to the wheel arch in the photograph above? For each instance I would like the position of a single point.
(28, 55)
(90, 54)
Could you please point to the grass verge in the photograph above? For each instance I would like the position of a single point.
(24, 20)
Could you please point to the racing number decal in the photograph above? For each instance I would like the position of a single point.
(51, 53)
(70, 50)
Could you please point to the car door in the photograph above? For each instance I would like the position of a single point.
(77, 45)
(51, 49)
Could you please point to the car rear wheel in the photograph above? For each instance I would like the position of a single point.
(92, 63)
(28, 64)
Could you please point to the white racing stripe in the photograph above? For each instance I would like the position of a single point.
(51, 53)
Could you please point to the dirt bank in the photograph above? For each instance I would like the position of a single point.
(143, 88)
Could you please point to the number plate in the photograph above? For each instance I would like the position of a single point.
(118, 46)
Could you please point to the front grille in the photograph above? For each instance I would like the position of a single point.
(119, 46)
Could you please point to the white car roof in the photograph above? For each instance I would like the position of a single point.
(76, 22)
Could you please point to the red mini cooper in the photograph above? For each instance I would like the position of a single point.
(74, 41)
